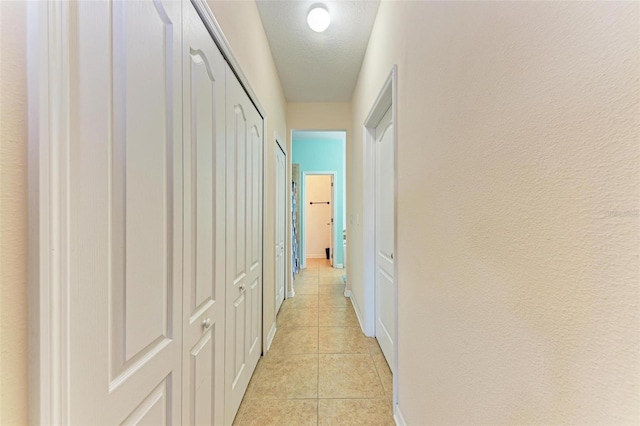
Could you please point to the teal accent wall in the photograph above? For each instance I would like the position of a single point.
(319, 154)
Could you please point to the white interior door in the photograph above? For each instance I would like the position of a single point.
(281, 208)
(124, 224)
(244, 243)
(384, 237)
(204, 225)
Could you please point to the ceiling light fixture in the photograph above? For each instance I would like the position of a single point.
(318, 18)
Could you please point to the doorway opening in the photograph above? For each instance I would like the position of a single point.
(319, 206)
(319, 191)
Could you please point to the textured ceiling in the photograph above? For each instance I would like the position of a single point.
(318, 67)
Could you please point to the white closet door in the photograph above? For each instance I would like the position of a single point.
(125, 212)
(281, 207)
(204, 224)
(244, 243)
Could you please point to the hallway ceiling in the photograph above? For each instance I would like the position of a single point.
(318, 67)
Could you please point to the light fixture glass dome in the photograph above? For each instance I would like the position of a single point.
(318, 19)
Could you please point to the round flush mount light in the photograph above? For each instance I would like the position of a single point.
(318, 18)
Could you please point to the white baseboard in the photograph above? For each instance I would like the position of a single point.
(317, 256)
(347, 293)
(270, 336)
(339, 266)
(356, 308)
(397, 416)
(291, 294)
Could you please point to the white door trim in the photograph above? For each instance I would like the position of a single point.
(287, 212)
(387, 98)
(48, 76)
(287, 225)
(48, 79)
(303, 211)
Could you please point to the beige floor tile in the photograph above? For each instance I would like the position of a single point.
(327, 280)
(294, 412)
(306, 277)
(333, 300)
(334, 275)
(350, 372)
(342, 340)
(305, 287)
(386, 377)
(331, 289)
(296, 340)
(319, 262)
(352, 412)
(291, 317)
(348, 376)
(285, 377)
(374, 347)
(342, 317)
(300, 301)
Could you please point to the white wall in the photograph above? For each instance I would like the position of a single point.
(518, 256)
(13, 214)
(242, 27)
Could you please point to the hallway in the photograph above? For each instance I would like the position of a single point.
(321, 369)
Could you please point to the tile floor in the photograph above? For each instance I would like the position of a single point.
(321, 369)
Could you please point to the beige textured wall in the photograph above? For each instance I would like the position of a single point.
(319, 116)
(241, 25)
(518, 197)
(13, 214)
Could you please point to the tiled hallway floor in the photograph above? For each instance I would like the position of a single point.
(321, 369)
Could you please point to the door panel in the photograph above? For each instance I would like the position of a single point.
(204, 224)
(244, 242)
(125, 223)
(281, 190)
(154, 408)
(384, 237)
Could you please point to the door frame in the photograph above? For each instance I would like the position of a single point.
(287, 195)
(303, 212)
(48, 76)
(387, 98)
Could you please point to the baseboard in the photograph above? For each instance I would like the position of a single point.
(397, 416)
(291, 294)
(317, 256)
(270, 336)
(339, 266)
(356, 308)
(347, 293)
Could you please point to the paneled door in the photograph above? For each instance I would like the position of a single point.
(384, 237)
(281, 217)
(124, 218)
(204, 224)
(244, 243)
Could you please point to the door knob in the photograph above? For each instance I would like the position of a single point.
(241, 287)
(206, 323)
(391, 256)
